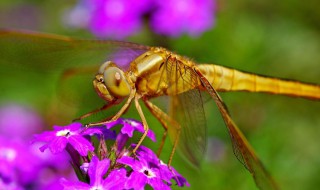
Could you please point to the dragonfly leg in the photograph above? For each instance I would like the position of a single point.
(175, 144)
(164, 119)
(159, 114)
(120, 112)
(163, 140)
(104, 107)
(144, 122)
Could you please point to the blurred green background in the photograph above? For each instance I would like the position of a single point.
(274, 38)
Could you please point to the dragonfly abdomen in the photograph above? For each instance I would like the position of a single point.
(226, 79)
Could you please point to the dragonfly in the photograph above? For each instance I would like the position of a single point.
(129, 73)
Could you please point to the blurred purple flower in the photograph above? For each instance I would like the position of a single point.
(21, 167)
(115, 19)
(72, 134)
(175, 17)
(19, 122)
(119, 19)
(10, 186)
(47, 159)
(96, 171)
(17, 162)
(51, 182)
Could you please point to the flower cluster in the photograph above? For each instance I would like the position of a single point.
(109, 163)
(118, 19)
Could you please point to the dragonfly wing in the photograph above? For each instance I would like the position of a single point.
(60, 62)
(48, 52)
(186, 108)
(241, 147)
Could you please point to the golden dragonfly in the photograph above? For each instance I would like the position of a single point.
(128, 72)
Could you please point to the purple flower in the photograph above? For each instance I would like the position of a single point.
(119, 19)
(51, 183)
(10, 185)
(96, 170)
(21, 167)
(19, 122)
(129, 126)
(17, 162)
(148, 169)
(108, 134)
(115, 19)
(175, 17)
(142, 174)
(112, 172)
(166, 172)
(172, 173)
(57, 161)
(72, 134)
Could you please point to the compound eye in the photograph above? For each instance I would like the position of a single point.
(104, 66)
(116, 82)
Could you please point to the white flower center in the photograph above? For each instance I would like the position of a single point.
(65, 132)
(131, 122)
(149, 173)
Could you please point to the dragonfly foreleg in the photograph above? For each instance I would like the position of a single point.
(120, 112)
(104, 107)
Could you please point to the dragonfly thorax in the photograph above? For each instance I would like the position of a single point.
(111, 83)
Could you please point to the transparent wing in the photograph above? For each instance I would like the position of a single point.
(186, 108)
(46, 52)
(241, 147)
(67, 64)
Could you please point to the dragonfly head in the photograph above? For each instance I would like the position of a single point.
(111, 83)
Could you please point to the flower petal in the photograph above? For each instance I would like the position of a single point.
(82, 145)
(97, 169)
(136, 181)
(58, 144)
